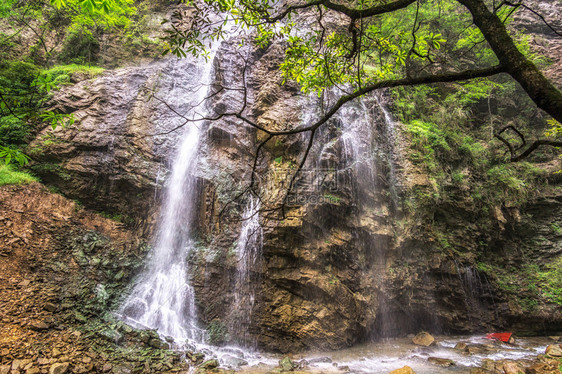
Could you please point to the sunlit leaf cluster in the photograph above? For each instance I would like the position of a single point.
(421, 38)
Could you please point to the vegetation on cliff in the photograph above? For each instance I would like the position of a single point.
(45, 45)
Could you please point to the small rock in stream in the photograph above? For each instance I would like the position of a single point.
(286, 364)
(210, 364)
(554, 350)
(441, 361)
(512, 368)
(403, 370)
(461, 346)
(424, 338)
(233, 361)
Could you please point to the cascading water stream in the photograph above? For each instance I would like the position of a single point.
(162, 297)
(249, 249)
(367, 138)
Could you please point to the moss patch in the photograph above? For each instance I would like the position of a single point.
(10, 176)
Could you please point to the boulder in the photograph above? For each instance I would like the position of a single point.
(233, 361)
(210, 364)
(512, 368)
(476, 349)
(59, 368)
(286, 364)
(424, 338)
(403, 370)
(554, 350)
(461, 346)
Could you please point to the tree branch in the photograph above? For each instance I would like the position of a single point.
(513, 151)
(352, 13)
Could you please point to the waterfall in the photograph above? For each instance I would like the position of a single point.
(248, 249)
(367, 138)
(162, 297)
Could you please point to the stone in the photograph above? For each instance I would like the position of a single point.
(441, 361)
(461, 346)
(553, 350)
(480, 371)
(112, 335)
(555, 338)
(403, 370)
(56, 352)
(121, 370)
(5, 369)
(33, 370)
(488, 364)
(16, 364)
(50, 307)
(39, 325)
(424, 338)
(512, 368)
(317, 360)
(535, 369)
(476, 349)
(210, 364)
(59, 368)
(197, 357)
(232, 361)
(286, 364)
(155, 343)
(107, 367)
(302, 364)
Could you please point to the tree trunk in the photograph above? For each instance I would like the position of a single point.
(540, 90)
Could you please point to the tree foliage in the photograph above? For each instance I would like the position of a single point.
(364, 45)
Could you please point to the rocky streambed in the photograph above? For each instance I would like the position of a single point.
(445, 354)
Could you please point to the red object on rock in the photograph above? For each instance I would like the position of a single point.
(503, 336)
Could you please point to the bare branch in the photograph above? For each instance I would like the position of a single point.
(513, 150)
(516, 5)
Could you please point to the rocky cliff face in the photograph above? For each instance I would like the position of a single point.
(114, 158)
(350, 265)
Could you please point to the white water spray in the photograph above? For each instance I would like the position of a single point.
(162, 298)
(249, 249)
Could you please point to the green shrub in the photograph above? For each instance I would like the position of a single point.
(79, 47)
(17, 75)
(13, 130)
